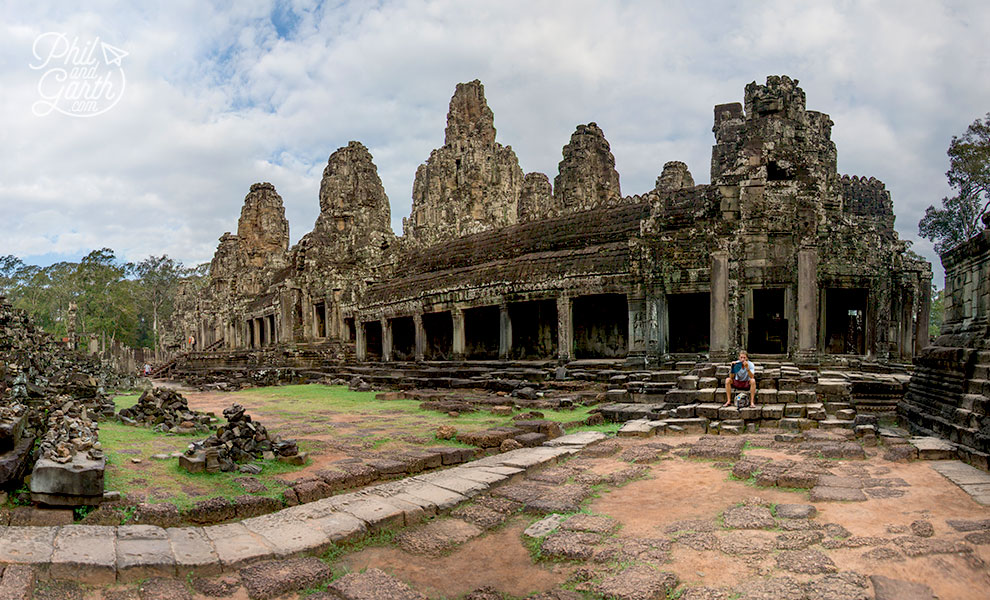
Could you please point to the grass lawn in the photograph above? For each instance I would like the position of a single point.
(321, 418)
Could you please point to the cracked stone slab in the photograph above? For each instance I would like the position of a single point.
(237, 546)
(581, 438)
(85, 553)
(27, 545)
(796, 511)
(288, 536)
(375, 512)
(193, 551)
(143, 551)
(821, 493)
(544, 526)
(451, 480)
(436, 537)
(274, 578)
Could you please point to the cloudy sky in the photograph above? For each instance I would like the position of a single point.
(209, 99)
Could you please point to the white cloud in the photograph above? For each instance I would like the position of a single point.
(219, 97)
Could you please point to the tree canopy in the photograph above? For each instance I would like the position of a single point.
(121, 300)
(969, 175)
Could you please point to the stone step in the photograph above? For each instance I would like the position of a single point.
(832, 423)
(640, 428)
(933, 448)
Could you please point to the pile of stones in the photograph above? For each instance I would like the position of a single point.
(53, 393)
(240, 440)
(165, 410)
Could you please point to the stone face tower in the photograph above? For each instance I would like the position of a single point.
(469, 185)
(263, 230)
(586, 176)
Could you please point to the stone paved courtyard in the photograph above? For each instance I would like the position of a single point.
(635, 518)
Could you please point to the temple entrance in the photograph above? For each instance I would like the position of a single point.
(373, 340)
(403, 338)
(349, 330)
(271, 328)
(768, 327)
(481, 327)
(439, 328)
(688, 322)
(601, 326)
(845, 321)
(534, 329)
(320, 310)
(252, 334)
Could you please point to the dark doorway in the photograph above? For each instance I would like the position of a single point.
(403, 338)
(349, 330)
(534, 329)
(481, 327)
(373, 340)
(688, 321)
(768, 327)
(321, 319)
(262, 334)
(271, 328)
(845, 321)
(252, 336)
(601, 326)
(439, 329)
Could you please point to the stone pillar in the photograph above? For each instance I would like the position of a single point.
(457, 315)
(361, 341)
(719, 332)
(638, 329)
(807, 304)
(565, 328)
(906, 342)
(420, 336)
(661, 326)
(924, 316)
(386, 340)
(504, 331)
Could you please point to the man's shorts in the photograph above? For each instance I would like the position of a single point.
(740, 385)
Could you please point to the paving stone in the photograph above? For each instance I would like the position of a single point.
(915, 546)
(640, 428)
(544, 526)
(582, 438)
(821, 493)
(690, 525)
(373, 584)
(277, 577)
(33, 516)
(748, 517)
(839, 586)
(557, 594)
(886, 588)
(237, 546)
(922, 528)
(288, 536)
(27, 545)
(85, 553)
(716, 447)
(964, 525)
(540, 498)
(844, 450)
(744, 543)
(884, 492)
(980, 538)
(17, 582)
(809, 562)
(776, 588)
(438, 536)
(452, 480)
(193, 551)
(707, 593)
(570, 545)
(901, 453)
(798, 540)
(796, 511)
(630, 550)
(699, 541)
(143, 551)
(164, 588)
(216, 587)
(375, 512)
(591, 523)
(883, 553)
(639, 582)
(482, 516)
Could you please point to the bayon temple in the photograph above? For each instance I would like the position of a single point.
(779, 254)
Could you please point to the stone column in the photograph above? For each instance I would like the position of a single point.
(906, 342)
(637, 328)
(565, 327)
(457, 315)
(360, 343)
(661, 326)
(504, 331)
(386, 339)
(807, 304)
(924, 315)
(719, 332)
(420, 336)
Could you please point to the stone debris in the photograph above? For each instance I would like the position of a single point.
(165, 410)
(373, 584)
(240, 439)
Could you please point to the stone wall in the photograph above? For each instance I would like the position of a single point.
(949, 393)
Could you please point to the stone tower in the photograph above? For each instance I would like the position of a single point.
(586, 176)
(469, 185)
(263, 230)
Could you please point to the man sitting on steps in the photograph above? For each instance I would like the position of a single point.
(741, 377)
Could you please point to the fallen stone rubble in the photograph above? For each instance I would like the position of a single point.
(165, 410)
(240, 440)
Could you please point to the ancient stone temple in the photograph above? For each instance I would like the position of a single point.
(778, 254)
(949, 393)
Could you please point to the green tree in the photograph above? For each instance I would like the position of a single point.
(157, 278)
(935, 314)
(969, 175)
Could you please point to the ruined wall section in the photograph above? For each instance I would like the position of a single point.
(472, 183)
(949, 392)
